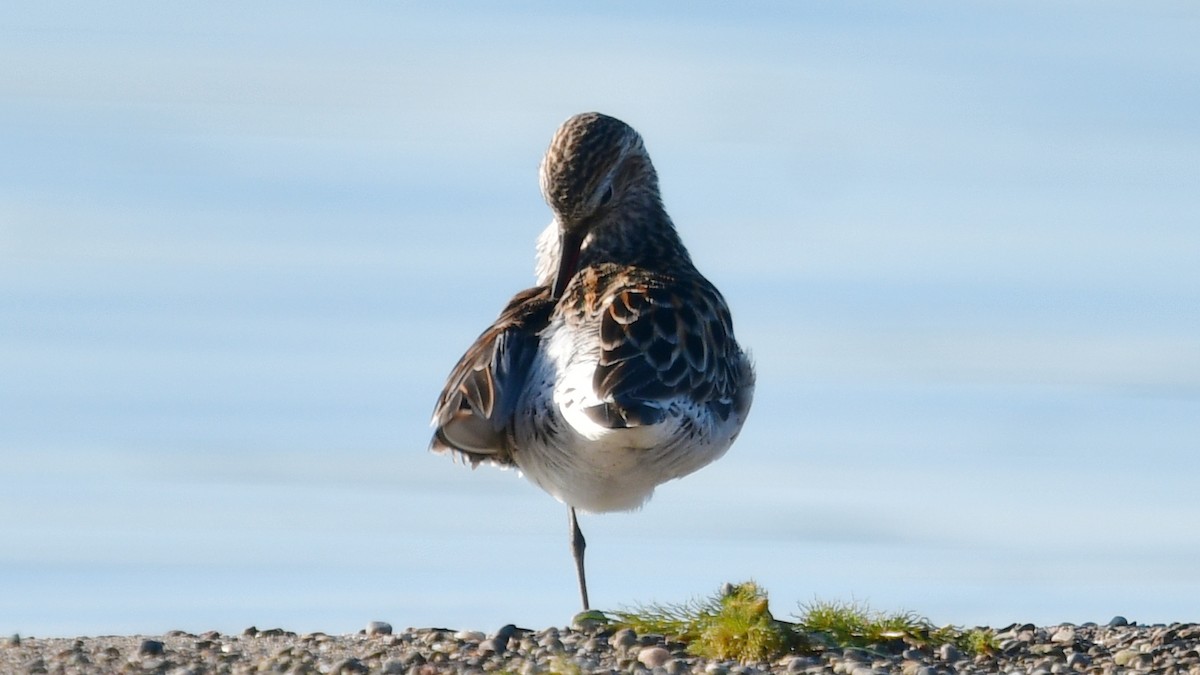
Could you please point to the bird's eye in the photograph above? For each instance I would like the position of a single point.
(606, 196)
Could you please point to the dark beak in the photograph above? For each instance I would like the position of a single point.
(568, 261)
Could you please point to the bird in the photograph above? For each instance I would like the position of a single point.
(618, 370)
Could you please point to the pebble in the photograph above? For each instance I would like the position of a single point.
(624, 638)
(1078, 660)
(1065, 634)
(150, 647)
(379, 628)
(653, 657)
(1063, 649)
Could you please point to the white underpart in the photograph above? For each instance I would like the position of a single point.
(587, 465)
(592, 467)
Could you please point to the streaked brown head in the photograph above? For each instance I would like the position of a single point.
(595, 171)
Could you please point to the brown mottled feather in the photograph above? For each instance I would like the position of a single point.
(475, 409)
(661, 338)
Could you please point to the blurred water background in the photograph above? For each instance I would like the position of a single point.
(241, 245)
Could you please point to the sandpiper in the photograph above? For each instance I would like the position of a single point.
(619, 370)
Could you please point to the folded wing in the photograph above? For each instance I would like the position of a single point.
(663, 343)
(475, 410)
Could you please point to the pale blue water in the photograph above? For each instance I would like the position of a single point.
(241, 246)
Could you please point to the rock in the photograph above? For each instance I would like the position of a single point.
(1092, 650)
(1078, 660)
(624, 638)
(653, 657)
(1125, 656)
(493, 646)
(350, 666)
(1044, 649)
(675, 667)
(796, 664)
(1064, 635)
(379, 628)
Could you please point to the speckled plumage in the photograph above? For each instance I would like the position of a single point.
(619, 370)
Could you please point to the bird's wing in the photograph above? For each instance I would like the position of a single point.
(661, 339)
(477, 403)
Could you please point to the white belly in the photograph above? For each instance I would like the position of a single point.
(595, 468)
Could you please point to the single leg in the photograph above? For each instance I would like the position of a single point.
(577, 546)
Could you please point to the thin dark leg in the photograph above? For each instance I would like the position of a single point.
(577, 546)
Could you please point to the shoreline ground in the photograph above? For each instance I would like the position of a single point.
(1087, 648)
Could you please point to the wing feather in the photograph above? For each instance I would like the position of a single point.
(476, 406)
(662, 338)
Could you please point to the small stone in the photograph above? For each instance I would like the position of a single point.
(350, 666)
(796, 664)
(1125, 656)
(949, 653)
(1044, 649)
(653, 657)
(675, 667)
(714, 668)
(594, 645)
(1078, 660)
(1064, 635)
(470, 636)
(150, 648)
(1011, 646)
(379, 628)
(624, 638)
(651, 639)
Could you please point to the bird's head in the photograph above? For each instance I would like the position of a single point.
(595, 171)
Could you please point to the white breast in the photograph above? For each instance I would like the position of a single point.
(592, 467)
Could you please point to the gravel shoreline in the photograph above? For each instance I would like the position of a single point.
(1118, 647)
